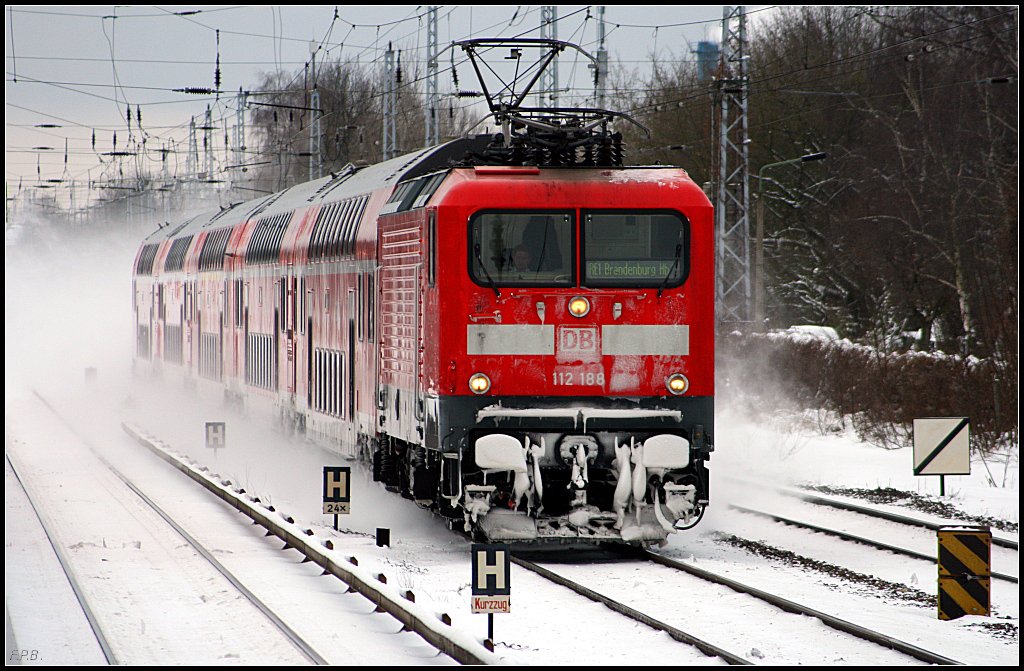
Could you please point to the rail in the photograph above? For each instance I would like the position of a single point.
(676, 633)
(793, 607)
(435, 629)
(856, 539)
(65, 564)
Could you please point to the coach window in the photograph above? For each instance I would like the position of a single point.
(371, 288)
(360, 306)
(301, 306)
(239, 303)
(635, 249)
(522, 249)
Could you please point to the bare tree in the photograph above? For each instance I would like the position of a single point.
(352, 99)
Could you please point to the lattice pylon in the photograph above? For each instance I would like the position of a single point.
(732, 204)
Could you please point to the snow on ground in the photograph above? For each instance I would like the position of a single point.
(158, 598)
(35, 587)
(785, 451)
(432, 561)
(58, 324)
(868, 605)
(792, 449)
(734, 621)
(425, 556)
(147, 569)
(863, 558)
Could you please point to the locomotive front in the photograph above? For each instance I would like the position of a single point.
(573, 363)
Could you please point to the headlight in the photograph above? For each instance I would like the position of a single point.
(677, 383)
(579, 306)
(479, 383)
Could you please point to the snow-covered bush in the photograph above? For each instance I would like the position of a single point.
(880, 393)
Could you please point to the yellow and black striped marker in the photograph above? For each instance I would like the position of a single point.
(965, 571)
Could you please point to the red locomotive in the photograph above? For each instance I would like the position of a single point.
(517, 335)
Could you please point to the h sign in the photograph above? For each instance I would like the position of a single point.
(215, 434)
(337, 490)
(491, 570)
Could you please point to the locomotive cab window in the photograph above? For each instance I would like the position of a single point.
(635, 249)
(522, 249)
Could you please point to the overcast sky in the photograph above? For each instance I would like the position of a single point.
(80, 68)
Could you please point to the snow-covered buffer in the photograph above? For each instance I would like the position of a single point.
(880, 393)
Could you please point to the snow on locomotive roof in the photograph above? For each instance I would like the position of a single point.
(646, 175)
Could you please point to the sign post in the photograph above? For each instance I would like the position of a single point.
(492, 589)
(337, 491)
(942, 446)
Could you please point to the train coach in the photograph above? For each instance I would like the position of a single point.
(523, 346)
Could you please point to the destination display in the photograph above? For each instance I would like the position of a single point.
(637, 270)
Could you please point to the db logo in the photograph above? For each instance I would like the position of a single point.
(578, 340)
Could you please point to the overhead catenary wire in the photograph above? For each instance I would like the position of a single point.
(407, 87)
(128, 16)
(402, 87)
(663, 26)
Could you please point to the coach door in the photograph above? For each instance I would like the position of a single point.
(353, 307)
(186, 327)
(290, 301)
(151, 333)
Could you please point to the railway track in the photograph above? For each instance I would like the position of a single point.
(856, 538)
(293, 536)
(303, 540)
(676, 633)
(907, 520)
(94, 624)
(434, 628)
(701, 642)
(712, 649)
(299, 542)
(998, 539)
(301, 645)
(790, 606)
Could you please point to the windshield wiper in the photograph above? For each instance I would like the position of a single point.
(490, 280)
(675, 264)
